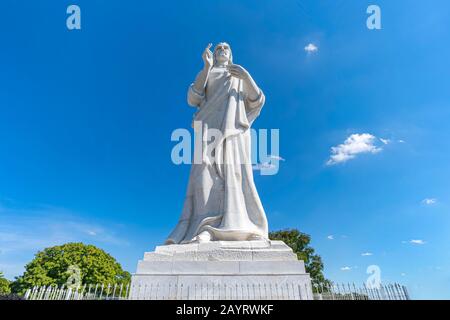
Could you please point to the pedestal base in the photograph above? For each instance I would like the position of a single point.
(219, 270)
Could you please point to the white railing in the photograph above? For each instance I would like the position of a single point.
(218, 292)
(85, 292)
(392, 291)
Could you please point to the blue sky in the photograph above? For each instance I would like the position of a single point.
(86, 118)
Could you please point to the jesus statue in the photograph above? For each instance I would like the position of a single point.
(221, 200)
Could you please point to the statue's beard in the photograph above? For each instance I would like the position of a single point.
(221, 60)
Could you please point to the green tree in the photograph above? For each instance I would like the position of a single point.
(63, 264)
(4, 284)
(299, 242)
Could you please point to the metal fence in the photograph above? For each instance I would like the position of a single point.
(392, 291)
(244, 292)
(85, 292)
(223, 291)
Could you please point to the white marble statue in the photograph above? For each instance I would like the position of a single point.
(221, 201)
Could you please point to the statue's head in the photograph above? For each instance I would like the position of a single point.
(222, 53)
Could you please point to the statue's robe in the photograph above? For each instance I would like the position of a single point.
(221, 195)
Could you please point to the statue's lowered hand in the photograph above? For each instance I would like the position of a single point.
(238, 71)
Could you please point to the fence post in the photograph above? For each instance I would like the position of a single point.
(69, 292)
(27, 294)
(406, 293)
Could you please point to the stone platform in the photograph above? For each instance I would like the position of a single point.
(222, 270)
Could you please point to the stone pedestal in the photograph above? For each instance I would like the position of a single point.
(221, 270)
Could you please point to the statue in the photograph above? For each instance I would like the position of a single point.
(221, 201)
(221, 240)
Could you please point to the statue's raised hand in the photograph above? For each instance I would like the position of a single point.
(207, 57)
(238, 71)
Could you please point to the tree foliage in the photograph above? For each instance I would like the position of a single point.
(4, 285)
(299, 242)
(56, 265)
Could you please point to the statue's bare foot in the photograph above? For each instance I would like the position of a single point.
(256, 237)
(204, 236)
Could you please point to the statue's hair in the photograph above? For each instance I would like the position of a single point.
(215, 49)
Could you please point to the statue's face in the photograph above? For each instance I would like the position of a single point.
(222, 53)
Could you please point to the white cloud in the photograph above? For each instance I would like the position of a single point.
(419, 242)
(401, 141)
(346, 268)
(276, 158)
(367, 254)
(355, 144)
(268, 164)
(429, 201)
(310, 48)
(385, 141)
(330, 237)
(265, 165)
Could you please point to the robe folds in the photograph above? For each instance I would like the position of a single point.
(221, 195)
